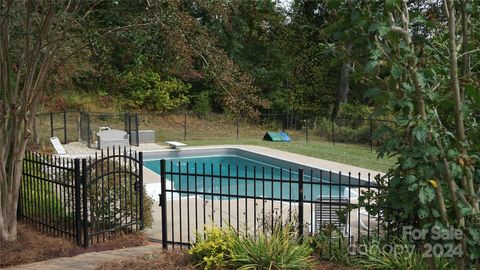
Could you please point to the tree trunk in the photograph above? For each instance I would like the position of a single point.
(343, 89)
(465, 71)
(15, 133)
(460, 129)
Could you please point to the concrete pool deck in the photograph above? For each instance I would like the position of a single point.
(283, 155)
(78, 150)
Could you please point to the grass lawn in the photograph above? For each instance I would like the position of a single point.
(351, 154)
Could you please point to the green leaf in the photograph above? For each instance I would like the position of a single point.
(423, 213)
(371, 92)
(452, 153)
(402, 120)
(426, 194)
(473, 93)
(408, 163)
(420, 133)
(390, 4)
(413, 187)
(384, 30)
(380, 28)
(373, 27)
(396, 72)
(410, 179)
(380, 132)
(432, 151)
(371, 65)
(465, 210)
(407, 87)
(456, 169)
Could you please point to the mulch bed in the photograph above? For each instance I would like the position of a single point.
(33, 246)
(324, 265)
(179, 259)
(165, 260)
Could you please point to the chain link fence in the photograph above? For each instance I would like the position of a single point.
(82, 126)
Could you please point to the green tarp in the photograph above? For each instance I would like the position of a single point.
(273, 136)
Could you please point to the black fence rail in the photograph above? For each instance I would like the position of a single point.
(255, 199)
(64, 125)
(84, 200)
(49, 194)
(82, 126)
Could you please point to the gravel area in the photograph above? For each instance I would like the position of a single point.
(79, 150)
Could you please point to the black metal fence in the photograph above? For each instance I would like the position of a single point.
(64, 125)
(81, 126)
(253, 200)
(85, 200)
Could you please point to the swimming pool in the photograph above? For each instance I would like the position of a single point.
(234, 173)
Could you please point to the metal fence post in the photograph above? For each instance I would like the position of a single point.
(78, 216)
(126, 119)
(333, 130)
(306, 130)
(88, 129)
(140, 173)
(84, 203)
(300, 203)
(163, 201)
(137, 143)
(20, 196)
(371, 135)
(185, 127)
(64, 126)
(237, 128)
(51, 124)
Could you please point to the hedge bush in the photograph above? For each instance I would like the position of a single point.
(227, 249)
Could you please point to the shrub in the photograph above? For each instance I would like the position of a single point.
(38, 196)
(350, 126)
(121, 207)
(215, 250)
(280, 250)
(147, 90)
(40, 200)
(202, 103)
(225, 248)
(374, 257)
(376, 253)
(330, 244)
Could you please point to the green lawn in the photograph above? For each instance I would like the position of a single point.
(352, 154)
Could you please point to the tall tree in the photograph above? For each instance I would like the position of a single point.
(36, 38)
(414, 76)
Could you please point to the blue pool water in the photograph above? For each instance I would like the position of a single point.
(222, 172)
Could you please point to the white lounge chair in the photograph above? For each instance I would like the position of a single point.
(174, 144)
(326, 209)
(58, 146)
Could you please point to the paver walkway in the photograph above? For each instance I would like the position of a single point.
(90, 260)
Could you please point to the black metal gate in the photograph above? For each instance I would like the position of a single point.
(113, 200)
